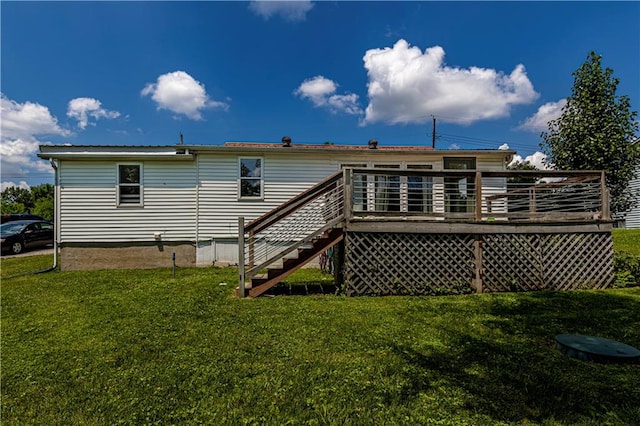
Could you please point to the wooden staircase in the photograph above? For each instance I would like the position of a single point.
(263, 282)
(306, 225)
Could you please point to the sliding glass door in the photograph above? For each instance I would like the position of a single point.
(459, 191)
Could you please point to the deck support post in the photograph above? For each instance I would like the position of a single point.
(606, 213)
(348, 194)
(241, 274)
(338, 264)
(477, 254)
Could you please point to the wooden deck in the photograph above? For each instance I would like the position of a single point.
(419, 232)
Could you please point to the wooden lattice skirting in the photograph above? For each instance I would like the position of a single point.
(423, 264)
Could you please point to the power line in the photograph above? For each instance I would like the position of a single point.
(491, 143)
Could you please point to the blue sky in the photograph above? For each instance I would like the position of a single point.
(139, 73)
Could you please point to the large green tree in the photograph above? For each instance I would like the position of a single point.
(37, 200)
(596, 131)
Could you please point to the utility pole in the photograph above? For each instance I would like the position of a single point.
(433, 134)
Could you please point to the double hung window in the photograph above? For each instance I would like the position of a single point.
(129, 184)
(251, 184)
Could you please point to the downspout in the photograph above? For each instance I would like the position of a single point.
(56, 224)
(197, 194)
(56, 213)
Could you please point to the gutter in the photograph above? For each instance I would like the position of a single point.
(56, 216)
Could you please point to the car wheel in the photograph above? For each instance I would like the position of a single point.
(16, 247)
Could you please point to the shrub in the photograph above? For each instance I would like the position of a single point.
(626, 267)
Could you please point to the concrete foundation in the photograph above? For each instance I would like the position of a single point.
(121, 256)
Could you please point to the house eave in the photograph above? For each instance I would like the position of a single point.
(118, 153)
(188, 152)
(350, 149)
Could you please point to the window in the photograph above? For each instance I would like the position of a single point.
(129, 184)
(419, 190)
(387, 193)
(251, 175)
(359, 198)
(459, 191)
(459, 163)
(387, 190)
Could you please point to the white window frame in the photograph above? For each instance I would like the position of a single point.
(241, 178)
(140, 184)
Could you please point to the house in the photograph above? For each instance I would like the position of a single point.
(632, 217)
(401, 220)
(139, 206)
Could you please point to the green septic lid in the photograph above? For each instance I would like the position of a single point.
(591, 348)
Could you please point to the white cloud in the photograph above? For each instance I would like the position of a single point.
(84, 108)
(408, 86)
(538, 159)
(22, 125)
(538, 122)
(27, 119)
(292, 10)
(18, 158)
(322, 93)
(182, 94)
(10, 184)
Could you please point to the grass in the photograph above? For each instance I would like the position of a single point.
(141, 347)
(627, 240)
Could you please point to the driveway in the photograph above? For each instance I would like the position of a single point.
(34, 252)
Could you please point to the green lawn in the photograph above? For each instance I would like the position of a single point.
(627, 240)
(141, 347)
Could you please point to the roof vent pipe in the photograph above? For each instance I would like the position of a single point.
(373, 144)
(286, 141)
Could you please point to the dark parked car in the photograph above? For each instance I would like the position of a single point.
(20, 216)
(25, 234)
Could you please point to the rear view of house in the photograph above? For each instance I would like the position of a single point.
(404, 220)
(125, 206)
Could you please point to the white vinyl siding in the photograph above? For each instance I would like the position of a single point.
(632, 219)
(219, 206)
(89, 212)
(197, 201)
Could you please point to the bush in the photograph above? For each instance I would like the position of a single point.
(626, 267)
(44, 208)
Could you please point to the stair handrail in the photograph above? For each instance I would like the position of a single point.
(277, 215)
(288, 207)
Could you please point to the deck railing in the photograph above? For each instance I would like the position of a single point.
(357, 194)
(279, 232)
(472, 195)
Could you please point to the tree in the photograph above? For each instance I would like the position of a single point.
(11, 207)
(44, 190)
(17, 196)
(44, 208)
(37, 200)
(596, 132)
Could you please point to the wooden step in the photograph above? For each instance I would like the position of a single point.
(274, 275)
